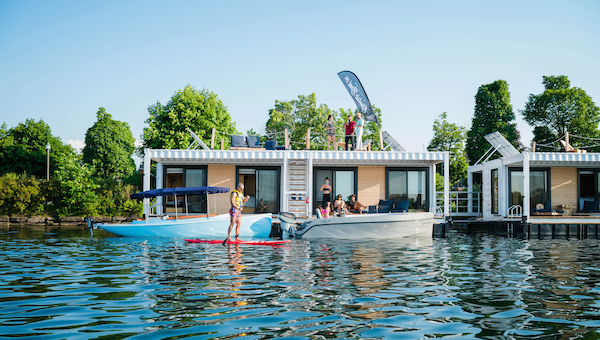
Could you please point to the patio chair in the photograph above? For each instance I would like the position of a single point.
(400, 206)
(253, 142)
(238, 142)
(271, 145)
(366, 145)
(589, 207)
(385, 206)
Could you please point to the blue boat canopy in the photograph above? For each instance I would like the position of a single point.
(179, 191)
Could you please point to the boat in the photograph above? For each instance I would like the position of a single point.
(188, 226)
(360, 226)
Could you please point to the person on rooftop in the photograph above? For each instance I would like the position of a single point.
(349, 127)
(330, 128)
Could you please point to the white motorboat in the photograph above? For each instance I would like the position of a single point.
(360, 226)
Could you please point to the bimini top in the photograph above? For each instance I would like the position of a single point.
(179, 191)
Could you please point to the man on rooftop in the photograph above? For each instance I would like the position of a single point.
(350, 126)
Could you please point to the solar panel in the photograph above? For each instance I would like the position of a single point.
(501, 144)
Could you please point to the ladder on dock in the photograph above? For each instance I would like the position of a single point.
(297, 189)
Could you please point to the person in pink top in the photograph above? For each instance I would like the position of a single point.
(350, 126)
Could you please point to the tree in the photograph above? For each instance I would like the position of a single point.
(560, 109)
(299, 115)
(109, 145)
(23, 149)
(71, 192)
(201, 111)
(493, 112)
(450, 137)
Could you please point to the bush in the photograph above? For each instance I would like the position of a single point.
(20, 194)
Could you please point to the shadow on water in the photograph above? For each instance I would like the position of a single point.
(64, 284)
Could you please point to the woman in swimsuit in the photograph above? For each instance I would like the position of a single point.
(326, 189)
(330, 128)
(339, 205)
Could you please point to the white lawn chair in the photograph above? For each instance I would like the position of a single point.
(197, 141)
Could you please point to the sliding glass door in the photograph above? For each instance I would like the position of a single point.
(538, 187)
(342, 181)
(408, 185)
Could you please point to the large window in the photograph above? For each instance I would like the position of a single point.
(588, 186)
(408, 185)
(538, 187)
(185, 177)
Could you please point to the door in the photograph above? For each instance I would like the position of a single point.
(342, 181)
(267, 191)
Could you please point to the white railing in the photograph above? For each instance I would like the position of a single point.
(459, 202)
(438, 212)
(516, 211)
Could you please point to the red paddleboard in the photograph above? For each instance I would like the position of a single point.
(257, 243)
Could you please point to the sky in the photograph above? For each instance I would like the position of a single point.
(62, 60)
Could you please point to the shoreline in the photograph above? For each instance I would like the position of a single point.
(68, 221)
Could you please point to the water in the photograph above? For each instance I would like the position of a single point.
(57, 285)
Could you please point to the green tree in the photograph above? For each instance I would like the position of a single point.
(493, 112)
(201, 111)
(20, 194)
(23, 149)
(71, 192)
(450, 137)
(560, 109)
(299, 115)
(109, 145)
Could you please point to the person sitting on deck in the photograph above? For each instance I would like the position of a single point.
(354, 205)
(325, 210)
(339, 205)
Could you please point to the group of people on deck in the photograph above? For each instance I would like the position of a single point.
(354, 132)
(339, 205)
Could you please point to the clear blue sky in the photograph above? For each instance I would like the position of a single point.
(61, 60)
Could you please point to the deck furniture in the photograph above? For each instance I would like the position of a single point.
(238, 143)
(400, 206)
(589, 207)
(546, 210)
(253, 142)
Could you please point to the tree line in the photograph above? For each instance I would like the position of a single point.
(99, 180)
(560, 108)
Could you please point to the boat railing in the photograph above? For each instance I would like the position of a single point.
(515, 211)
(462, 203)
(438, 212)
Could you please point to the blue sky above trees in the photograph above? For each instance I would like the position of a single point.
(62, 60)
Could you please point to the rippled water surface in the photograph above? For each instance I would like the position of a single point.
(57, 285)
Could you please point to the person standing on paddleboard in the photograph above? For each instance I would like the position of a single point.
(237, 201)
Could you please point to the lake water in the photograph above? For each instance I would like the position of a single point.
(66, 285)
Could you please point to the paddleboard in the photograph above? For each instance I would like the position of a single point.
(257, 243)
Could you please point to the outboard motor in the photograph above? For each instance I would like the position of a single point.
(288, 222)
(91, 225)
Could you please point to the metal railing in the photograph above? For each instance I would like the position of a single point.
(459, 202)
(516, 211)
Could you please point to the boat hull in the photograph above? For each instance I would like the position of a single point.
(371, 226)
(255, 225)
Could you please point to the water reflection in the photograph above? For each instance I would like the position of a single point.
(65, 285)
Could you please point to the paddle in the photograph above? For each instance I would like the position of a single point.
(234, 219)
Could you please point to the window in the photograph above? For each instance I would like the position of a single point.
(588, 186)
(185, 177)
(539, 185)
(342, 181)
(408, 185)
(262, 185)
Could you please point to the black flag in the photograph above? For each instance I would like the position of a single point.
(359, 95)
